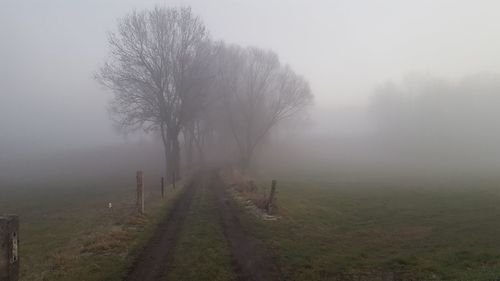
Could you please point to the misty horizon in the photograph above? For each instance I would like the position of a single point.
(238, 140)
(346, 53)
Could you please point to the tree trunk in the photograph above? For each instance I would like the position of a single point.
(189, 142)
(176, 153)
(201, 156)
(245, 162)
(167, 147)
(172, 153)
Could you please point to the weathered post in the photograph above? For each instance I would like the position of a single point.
(9, 241)
(162, 187)
(271, 197)
(173, 180)
(140, 193)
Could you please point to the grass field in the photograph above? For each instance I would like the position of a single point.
(328, 230)
(333, 231)
(69, 233)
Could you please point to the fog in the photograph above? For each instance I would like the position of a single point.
(402, 89)
(420, 128)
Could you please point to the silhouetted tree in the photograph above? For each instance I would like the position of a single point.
(258, 92)
(155, 69)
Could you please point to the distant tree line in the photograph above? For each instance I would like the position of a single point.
(436, 118)
(169, 76)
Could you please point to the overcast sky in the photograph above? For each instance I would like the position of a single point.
(49, 51)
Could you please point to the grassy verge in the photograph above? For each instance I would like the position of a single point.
(69, 233)
(345, 231)
(202, 252)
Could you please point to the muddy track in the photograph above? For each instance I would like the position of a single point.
(251, 260)
(151, 263)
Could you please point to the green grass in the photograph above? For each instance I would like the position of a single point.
(202, 252)
(68, 233)
(330, 230)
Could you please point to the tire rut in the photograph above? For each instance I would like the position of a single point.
(250, 259)
(151, 263)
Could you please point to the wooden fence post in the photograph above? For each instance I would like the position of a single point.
(271, 197)
(162, 187)
(140, 193)
(9, 248)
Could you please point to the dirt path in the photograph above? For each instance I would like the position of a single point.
(251, 260)
(150, 265)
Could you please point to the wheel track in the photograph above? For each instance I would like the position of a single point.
(151, 263)
(251, 260)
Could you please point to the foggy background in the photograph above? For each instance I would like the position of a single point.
(402, 88)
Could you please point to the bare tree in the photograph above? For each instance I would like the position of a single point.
(154, 71)
(198, 102)
(168, 76)
(258, 92)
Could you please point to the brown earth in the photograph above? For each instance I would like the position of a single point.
(250, 258)
(150, 264)
(251, 261)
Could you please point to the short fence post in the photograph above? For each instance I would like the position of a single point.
(271, 197)
(140, 193)
(162, 187)
(9, 248)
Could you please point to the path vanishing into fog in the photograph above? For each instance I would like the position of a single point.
(250, 260)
